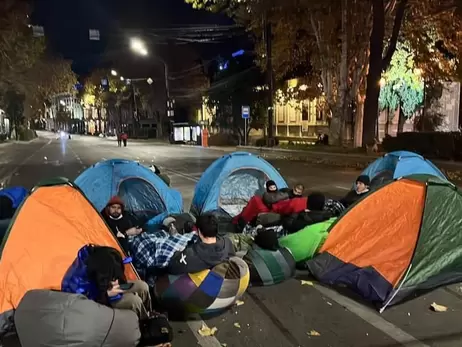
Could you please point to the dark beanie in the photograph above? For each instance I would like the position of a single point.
(315, 202)
(364, 179)
(269, 184)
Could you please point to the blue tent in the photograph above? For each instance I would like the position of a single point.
(145, 195)
(399, 164)
(231, 181)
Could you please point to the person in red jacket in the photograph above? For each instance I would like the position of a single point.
(315, 202)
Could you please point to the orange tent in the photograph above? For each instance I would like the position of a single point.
(44, 237)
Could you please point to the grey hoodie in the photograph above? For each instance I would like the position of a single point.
(201, 256)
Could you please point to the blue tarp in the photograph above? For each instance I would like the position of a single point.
(231, 181)
(146, 196)
(15, 194)
(402, 163)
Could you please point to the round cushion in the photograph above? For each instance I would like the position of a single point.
(207, 291)
(270, 267)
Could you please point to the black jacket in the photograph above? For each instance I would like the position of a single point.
(201, 256)
(351, 197)
(122, 225)
(270, 198)
(297, 222)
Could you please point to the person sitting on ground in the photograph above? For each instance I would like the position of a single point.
(273, 194)
(295, 192)
(362, 188)
(205, 253)
(182, 223)
(119, 222)
(153, 251)
(314, 213)
(297, 205)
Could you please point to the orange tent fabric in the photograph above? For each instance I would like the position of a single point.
(51, 226)
(381, 231)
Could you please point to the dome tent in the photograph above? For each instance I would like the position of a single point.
(144, 193)
(402, 239)
(52, 224)
(230, 182)
(399, 164)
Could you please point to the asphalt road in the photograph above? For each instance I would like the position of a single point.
(278, 316)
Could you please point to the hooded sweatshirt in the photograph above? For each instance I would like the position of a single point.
(201, 256)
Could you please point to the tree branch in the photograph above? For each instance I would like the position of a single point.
(400, 11)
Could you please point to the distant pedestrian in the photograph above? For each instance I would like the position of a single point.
(119, 139)
(124, 137)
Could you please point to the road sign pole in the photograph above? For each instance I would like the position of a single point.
(245, 115)
(245, 131)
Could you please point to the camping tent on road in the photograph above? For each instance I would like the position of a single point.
(144, 193)
(399, 164)
(231, 181)
(48, 230)
(401, 239)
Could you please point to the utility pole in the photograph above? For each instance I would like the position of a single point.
(270, 79)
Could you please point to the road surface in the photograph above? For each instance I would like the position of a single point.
(278, 316)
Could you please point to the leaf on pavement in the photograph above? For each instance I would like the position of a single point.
(237, 325)
(307, 283)
(239, 303)
(206, 331)
(438, 308)
(314, 333)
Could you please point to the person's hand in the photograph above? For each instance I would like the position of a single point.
(135, 231)
(115, 289)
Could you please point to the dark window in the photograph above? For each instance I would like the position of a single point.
(305, 113)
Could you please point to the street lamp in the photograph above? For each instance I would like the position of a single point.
(138, 46)
(122, 78)
(113, 72)
(382, 82)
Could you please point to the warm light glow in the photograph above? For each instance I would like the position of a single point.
(122, 78)
(382, 82)
(138, 46)
(113, 72)
(418, 72)
(303, 87)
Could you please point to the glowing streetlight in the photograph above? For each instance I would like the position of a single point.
(382, 82)
(122, 78)
(113, 72)
(138, 46)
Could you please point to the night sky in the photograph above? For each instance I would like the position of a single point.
(66, 24)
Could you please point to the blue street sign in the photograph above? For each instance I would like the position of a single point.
(245, 112)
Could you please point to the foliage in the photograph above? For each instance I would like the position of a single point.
(403, 84)
(234, 87)
(19, 49)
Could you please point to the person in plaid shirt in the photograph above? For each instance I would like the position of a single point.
(155, 250)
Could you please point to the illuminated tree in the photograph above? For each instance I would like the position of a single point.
(403, 87)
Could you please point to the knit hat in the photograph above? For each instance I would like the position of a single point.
(168, 221)
(364, 179)
(115, 200)
(315, 202)
(270, 183)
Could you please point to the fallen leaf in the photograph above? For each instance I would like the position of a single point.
(438, 308)
(307, 283)
(314, 333)
(237, 325)
(206, 331)
(239, 303)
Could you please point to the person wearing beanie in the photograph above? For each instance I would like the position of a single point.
(271, 186)
(361, 189)
(273, 195)
(119, 222)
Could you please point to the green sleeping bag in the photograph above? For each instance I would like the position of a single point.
(305, 243)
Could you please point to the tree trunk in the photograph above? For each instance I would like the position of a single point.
(371, 105)
(401, 120)
(344, 71)
(387, 124)
(377, 64)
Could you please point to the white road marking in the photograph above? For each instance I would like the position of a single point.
(6, 179)
(342, 187)
(205, 341)
(371, 317)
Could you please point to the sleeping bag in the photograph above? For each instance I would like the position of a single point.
(305, 243)
(52, 319)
